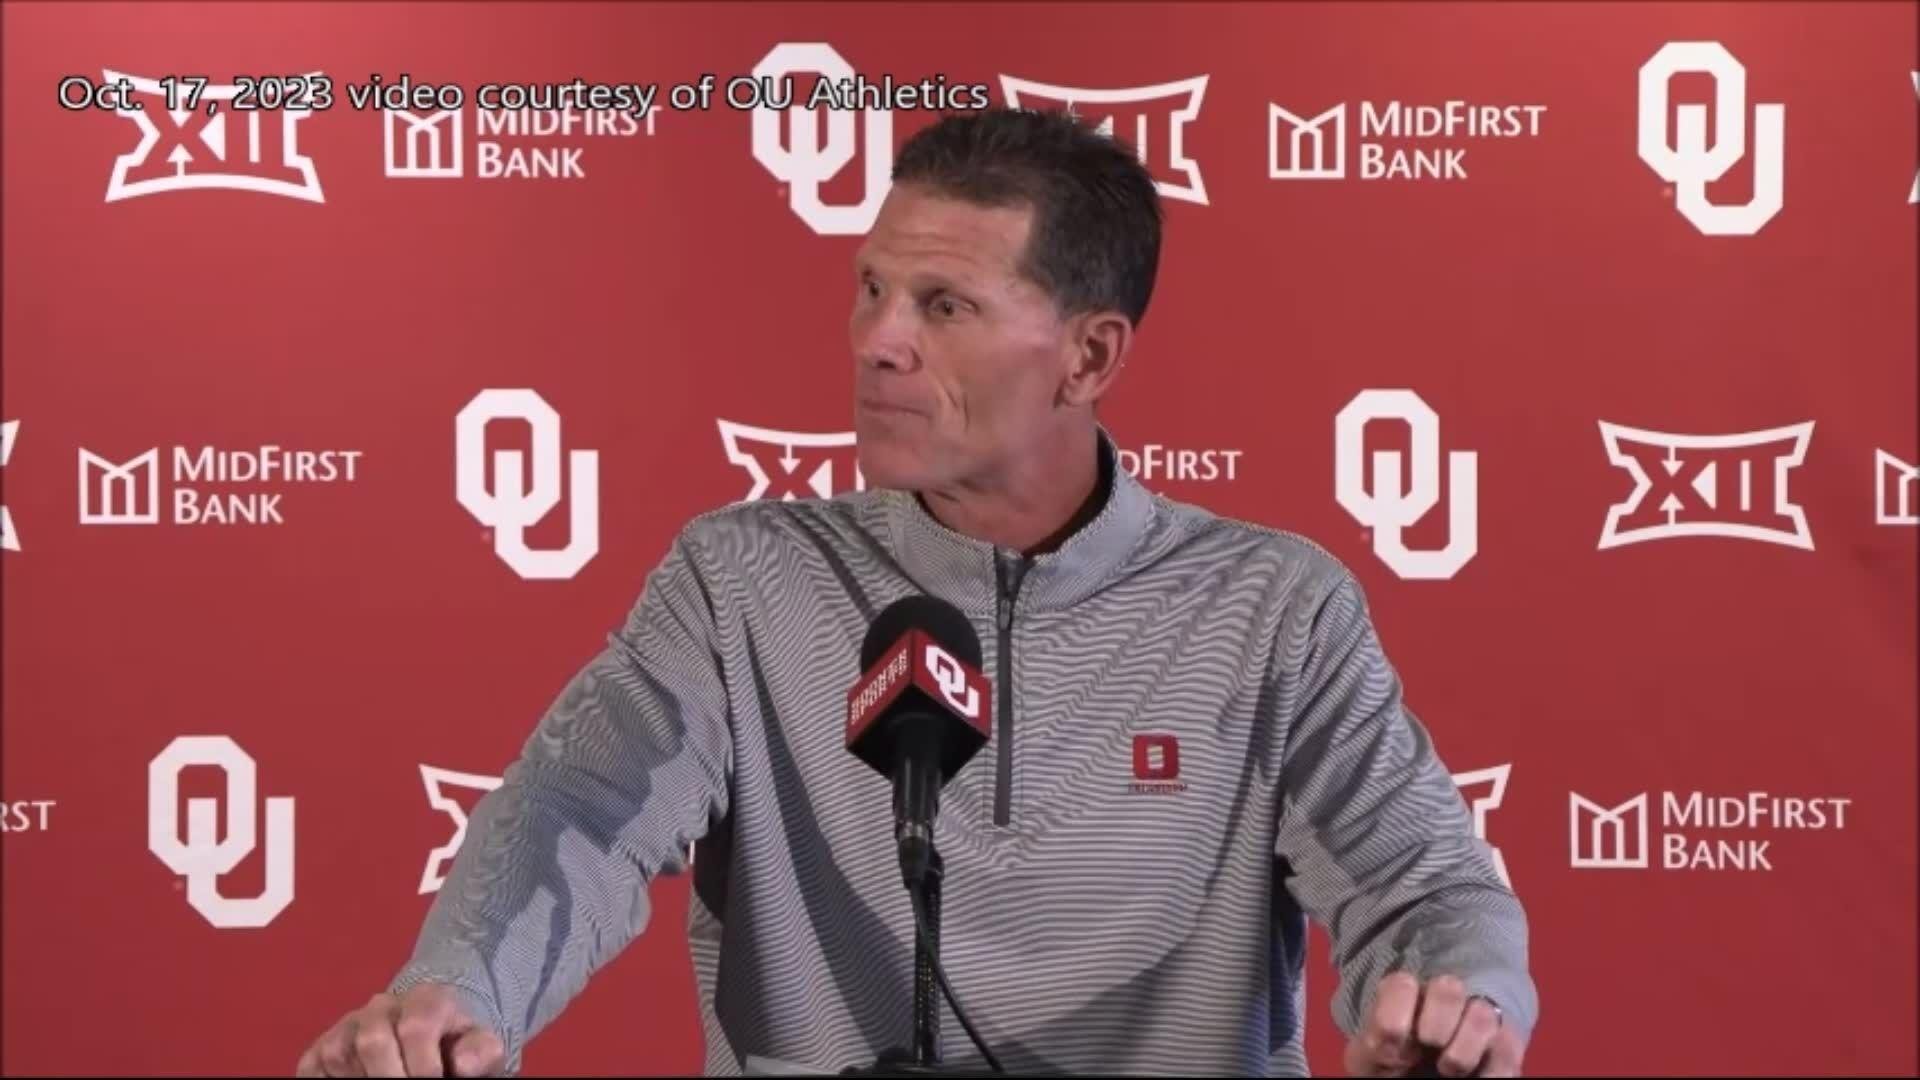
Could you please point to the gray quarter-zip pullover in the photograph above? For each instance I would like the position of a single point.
(1197, 743)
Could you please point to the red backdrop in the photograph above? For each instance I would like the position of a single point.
(1649, 568)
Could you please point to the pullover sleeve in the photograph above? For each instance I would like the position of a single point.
(627, 767)
(1379, 840)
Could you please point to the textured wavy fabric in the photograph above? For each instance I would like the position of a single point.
(1093, 921)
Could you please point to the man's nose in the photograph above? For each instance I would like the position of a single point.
(883, 338)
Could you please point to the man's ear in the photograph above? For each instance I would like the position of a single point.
(1097, 346)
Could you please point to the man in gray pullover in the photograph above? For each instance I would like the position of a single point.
(1197, 741)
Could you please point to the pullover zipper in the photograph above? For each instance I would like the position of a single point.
(1007, 588)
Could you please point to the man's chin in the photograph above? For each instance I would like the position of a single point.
(892, 478)
(884, 465)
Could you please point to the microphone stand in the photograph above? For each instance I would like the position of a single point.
(923, 1058)
(926, 989)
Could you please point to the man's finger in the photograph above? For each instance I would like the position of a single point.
(1389, 1028)
(477, 1052)
(1504, 1055)
(375, 1044)
(424, 1019)
(1444, 999)
(309, 1064)
(1472, 1040)
(336, 1050)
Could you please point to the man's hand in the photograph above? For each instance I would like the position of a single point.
(1437, 1026)
(423, 1033)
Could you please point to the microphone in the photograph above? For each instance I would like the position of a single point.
(919, 711)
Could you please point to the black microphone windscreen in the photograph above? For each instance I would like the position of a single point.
(930, 614)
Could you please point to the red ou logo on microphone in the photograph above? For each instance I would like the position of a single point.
(1156, 757)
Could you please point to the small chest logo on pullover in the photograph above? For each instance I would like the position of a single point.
(1156, 766)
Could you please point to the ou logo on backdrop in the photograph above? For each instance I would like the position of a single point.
(953, 681)
(511, 509)
(201, 860)
(1691, 166)
(1385, 509)
(802, 161)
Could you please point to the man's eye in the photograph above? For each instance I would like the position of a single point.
(946, 306)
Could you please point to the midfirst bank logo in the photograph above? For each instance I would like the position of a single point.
(26, 815)
(1689, 164)
(1896, 485)
(1397, 140)
(507, 144)
(128, 491)
(1733, 486)
(192, 139)
(1618, 836)
(1157, 463)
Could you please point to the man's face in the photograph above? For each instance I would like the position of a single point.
(957, 357)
